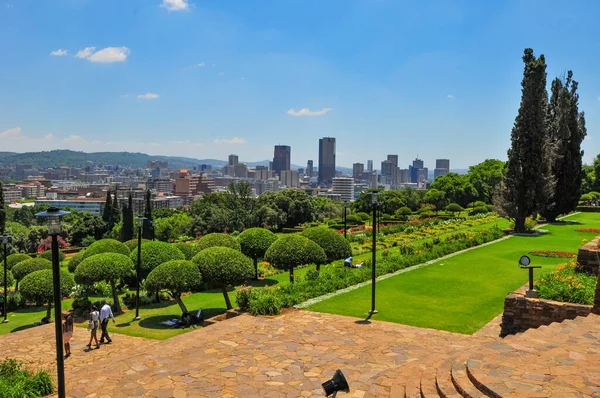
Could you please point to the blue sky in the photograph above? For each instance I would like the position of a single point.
(206, 78)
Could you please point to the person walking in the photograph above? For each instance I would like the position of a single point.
(67, 333)
(93, 326)
(105, 314)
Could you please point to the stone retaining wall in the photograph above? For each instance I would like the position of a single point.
(588, 257)
(522, 313)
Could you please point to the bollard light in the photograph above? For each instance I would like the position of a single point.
(524, 263)
(53, 220)
(374, 202)
(337, 383)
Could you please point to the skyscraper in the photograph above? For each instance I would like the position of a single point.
(442, 167)
(413, 170)
(233, 160)
(357, 170)
(281, 158)
(369, 166)
(326, 160)
(309, 168)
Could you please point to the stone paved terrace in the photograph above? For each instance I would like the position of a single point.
(291, 355)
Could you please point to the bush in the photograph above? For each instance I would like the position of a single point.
(107, 267)
(242, 297)
(106, 246)
(265, 302)
(294, 250)
(133, 243)
(333, 243)
(255, 242)
(154, 254)
(38, 286)
(75, 260)
(454, 208)
(291, 230)
(14, 259)
(14, 301)
(224, 266)
(48, 255)
(353, 219)
(478, 210)
(566, 285)
(189, 250)
(81, 307)
(26, 267)
(364, 216)
(476, 204)
(490, 208)
(176, 277)
(215, 239)
(16, 381)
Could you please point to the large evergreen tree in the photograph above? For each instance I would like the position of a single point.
(2, 210)
(107, 212)
(528, 183)
(127, 230)
(148, 230)
(115, 216)
(566, 130)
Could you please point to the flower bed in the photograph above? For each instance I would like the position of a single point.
(567, 285)
(591, 230)
(18, 381)
(553, 254)
(270, 300)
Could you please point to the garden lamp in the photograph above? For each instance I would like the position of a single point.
(337, 383)
(53, 220)
(140, 224)
(524, 262)
(374, 202)
(5, 239)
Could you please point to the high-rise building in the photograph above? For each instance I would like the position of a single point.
(403, 176)
(282, 156)
(369, 166)
(262, 173)
(343, 186)
(326, 160)
(309, 168)
(289, 178)
(357, 170)
(386, 171)
(442, 167)
(233, 160)
(413, 170)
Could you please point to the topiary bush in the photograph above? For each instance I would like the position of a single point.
(38, 286)
(189, 250)
(154, 254)
(133, 243)
(224, 266)
(106, 246)
(75, 260)
(333, 243)
(48, 255)
(294, 250)
(176, 277)
(9, 278)
(478, 210)
(403, 213)
(215, 239)
(454, 208)
(254, 243)
(363, 216)
(15, 259)
(108, 267)
(26, 267)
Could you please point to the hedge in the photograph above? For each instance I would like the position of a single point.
(295, 250)
(177, 277)
(14, 259)
(590, 209)
(333, 243)
(216, 239)
(133, 243)
(189, 250)
(107, 246)
(75, 260)
(26, 267)
(155, 253)
(48, 255)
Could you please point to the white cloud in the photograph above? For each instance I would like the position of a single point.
(176, 5)
(450, 96)
(59, 53)
(308, 112)
(74, 139)
(106, 55)
(200, 65)
(233, 141)
(14, 132)
(13, 140)
(148, 96)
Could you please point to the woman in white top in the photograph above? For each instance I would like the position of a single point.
(93, 326)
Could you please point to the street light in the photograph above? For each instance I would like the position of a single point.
(374, 202)
(140, 221)
(524, 262)
(53, 216)
(345, 204)
(5, 239)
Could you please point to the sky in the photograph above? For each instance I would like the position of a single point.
(207, 78)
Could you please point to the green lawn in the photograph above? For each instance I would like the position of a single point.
(462, 293)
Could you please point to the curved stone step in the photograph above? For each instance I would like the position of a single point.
(462, 383)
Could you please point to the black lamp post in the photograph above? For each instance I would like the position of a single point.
(345, 204)
(53, 216)
(5, 239)
(374, 202)
(140, 221)
(524, 263)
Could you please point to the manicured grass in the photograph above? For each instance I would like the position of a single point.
(462, 293)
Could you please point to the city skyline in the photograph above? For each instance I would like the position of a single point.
(149, 83)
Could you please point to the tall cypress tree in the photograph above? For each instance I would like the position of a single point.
(527, 183)
(2, 210)
(107, 208)
(148, 230)
(127, 230)
(566, 128)
(115, 216)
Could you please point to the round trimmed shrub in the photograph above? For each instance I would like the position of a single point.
(108, 267)
(176, 277)
(15, 259)
(106, 246)
(38, 286)
(254, 243)
(454, 208)
(403, 213)
(26, 267)
(225, 267)
(363, 216)
(155, 253)
(75, 260)
(294, 250)
(9, 279)
(216, 239)
(333, 243)
(189, 250)
(48, 255)
(133, 243)
(478, 210)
